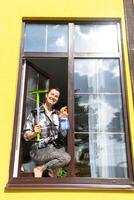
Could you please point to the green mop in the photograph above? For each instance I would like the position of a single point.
(37, 93)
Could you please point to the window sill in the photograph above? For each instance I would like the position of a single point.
(62, 184)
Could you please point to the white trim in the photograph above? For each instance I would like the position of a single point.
(18, 134)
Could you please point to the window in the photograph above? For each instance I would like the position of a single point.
(83, 59)
(99, 125)
(45, 38)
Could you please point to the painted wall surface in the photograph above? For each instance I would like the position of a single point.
(11, 14)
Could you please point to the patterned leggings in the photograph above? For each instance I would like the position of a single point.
(50, 156)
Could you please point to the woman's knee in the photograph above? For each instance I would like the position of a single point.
(67, 158)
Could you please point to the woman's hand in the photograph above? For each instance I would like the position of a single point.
(32, 134)
(63, 112)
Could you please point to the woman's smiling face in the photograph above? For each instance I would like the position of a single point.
(52, 97)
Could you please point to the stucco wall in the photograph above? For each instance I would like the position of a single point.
(11, 14)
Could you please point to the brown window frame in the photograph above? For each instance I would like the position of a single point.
(129, 20)
(72, 182)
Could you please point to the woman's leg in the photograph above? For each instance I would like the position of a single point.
(50, 158)
(57, 158)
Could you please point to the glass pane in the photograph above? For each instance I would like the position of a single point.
(97, 76)
(108, 156)
(82, 155)
(35, 38)
(98, 113)
(36, 81)
(57, 38)
(85, 75)
(32, 85)
(81, 113)
(45, 38)
(96, 38)
(100, 155)
(43, 85)
(108, 76)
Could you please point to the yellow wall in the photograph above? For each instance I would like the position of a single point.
(11, 14)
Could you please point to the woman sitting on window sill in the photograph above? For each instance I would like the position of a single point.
(47, 153)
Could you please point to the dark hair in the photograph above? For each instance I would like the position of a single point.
(57, 89)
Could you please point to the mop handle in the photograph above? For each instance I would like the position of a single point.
(37, 104)
(37, 92)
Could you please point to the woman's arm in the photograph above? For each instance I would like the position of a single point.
(30, 129)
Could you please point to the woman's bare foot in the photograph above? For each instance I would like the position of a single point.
(38, 171)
